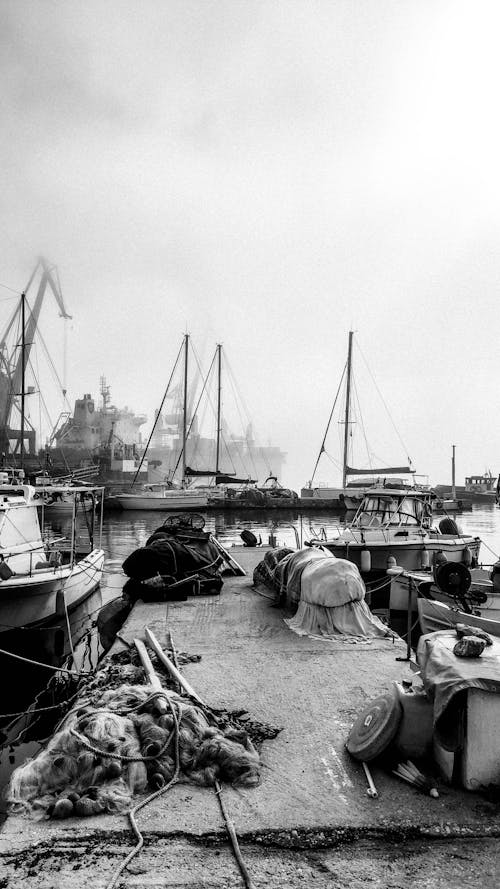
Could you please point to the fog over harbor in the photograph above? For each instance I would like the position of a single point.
(266, 175)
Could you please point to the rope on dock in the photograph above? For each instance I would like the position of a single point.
(132, 812)
(218, 789)
(175, 732)
(233, 837)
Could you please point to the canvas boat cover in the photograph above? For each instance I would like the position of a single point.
(447, 678)
(327, 594)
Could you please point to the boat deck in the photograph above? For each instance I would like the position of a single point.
(312, 794)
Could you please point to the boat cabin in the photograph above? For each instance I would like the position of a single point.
(480, 484)
(386, 508)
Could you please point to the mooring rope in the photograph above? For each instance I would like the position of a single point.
(132, 812)
(233, 837)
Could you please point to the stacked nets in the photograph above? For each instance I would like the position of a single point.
(107, 751)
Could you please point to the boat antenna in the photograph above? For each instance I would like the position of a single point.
(156, 419)
(322, 448)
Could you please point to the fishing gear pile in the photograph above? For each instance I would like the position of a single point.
(178, 559)
(326, 594)
(111, 748)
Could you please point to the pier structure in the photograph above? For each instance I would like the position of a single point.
(310, 822)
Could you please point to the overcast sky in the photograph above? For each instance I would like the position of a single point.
(267, 175)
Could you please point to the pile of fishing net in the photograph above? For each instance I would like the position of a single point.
(327, 594)
(175, 562)
(127, 740)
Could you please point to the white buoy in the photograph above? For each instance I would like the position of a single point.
(366, 560)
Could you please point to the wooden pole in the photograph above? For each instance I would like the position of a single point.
(153, 679)
(172, 669)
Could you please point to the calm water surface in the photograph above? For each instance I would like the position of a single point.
(125, 531)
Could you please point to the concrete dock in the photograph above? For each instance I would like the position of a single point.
(310, 821)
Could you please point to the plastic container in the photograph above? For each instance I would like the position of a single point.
(413, 739)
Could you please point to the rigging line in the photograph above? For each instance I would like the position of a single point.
(332, 459)
(322, 448)
(158, 415)
(239, 400)
(52, 366)
(205, 381)
(232, 382)
(385, 405)
(18, 292)
(360, 414)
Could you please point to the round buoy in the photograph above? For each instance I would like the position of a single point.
(375, 728)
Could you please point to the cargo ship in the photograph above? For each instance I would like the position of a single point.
(102, 439)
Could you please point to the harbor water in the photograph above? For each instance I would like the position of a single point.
(23, 729)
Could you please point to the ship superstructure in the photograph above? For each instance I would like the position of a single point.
(104, 436)
(241, 455)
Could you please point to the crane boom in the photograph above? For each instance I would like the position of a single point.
(14, 365)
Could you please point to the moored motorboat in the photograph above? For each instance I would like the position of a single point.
(393, 526)
(41, 578)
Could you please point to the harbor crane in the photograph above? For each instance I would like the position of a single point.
(15, 359)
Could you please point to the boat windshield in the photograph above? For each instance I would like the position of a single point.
(382, 511)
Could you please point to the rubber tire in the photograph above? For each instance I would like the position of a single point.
(375, 727)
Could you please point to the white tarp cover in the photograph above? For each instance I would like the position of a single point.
(332, 598)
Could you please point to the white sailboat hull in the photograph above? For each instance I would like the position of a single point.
(168, 500)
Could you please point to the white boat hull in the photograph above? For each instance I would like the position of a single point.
(170, 500)
(408, 554)
(434, 615)
(36, 598)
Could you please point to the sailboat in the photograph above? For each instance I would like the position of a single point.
(350, 494)
(167, 495)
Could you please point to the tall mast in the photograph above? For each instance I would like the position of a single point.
(347, 410)
(219, 391)
(23, 372)
(453, 490)
(184, 410)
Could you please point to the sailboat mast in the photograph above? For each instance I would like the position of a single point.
(219, 392)
(23, 372)
(347, 409)
(453, 490)
(184, 410)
